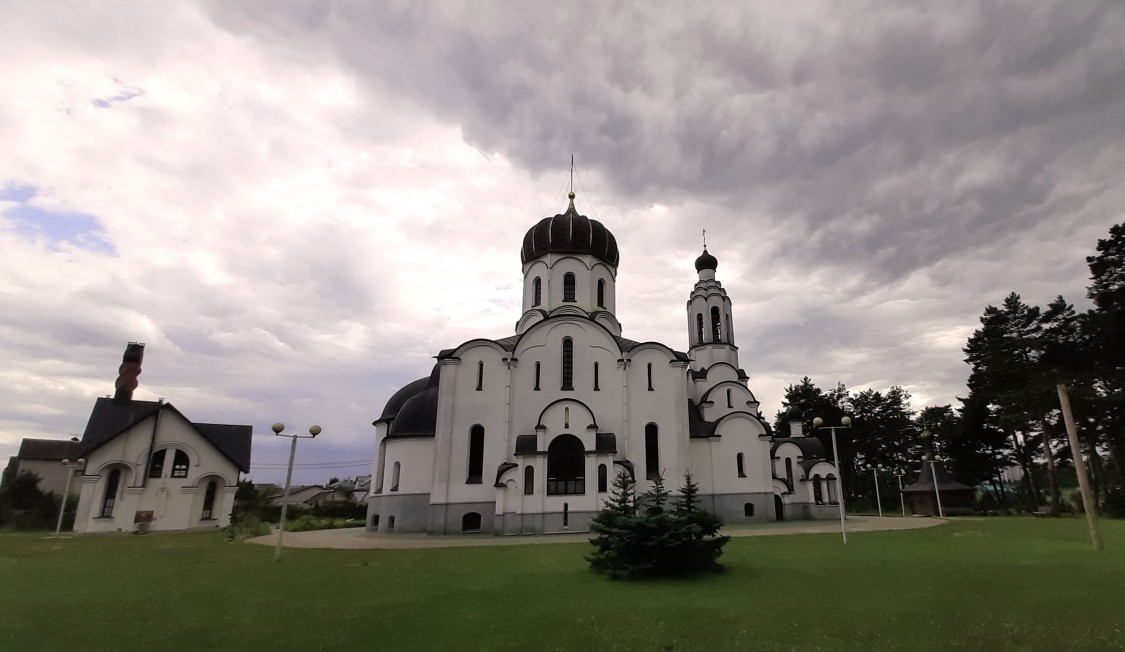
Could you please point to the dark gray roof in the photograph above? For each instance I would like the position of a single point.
(605, 442)
(412, 410)
(811, 447)
(697, 425)
(111, 417)
(525, 444)
(926, 481)
(569, 233)
(48, 449)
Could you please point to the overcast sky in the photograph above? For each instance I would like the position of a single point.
(297, 204)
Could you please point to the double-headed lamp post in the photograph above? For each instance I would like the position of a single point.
(878, 500)
(901, 499)
(845, 422)
(71, 467)
(928, 436)
(277, 430)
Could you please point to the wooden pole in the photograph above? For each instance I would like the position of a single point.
(1080, 467)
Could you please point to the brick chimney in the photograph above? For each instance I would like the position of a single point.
(128, 371)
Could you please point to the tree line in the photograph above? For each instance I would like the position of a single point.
(1010, 418)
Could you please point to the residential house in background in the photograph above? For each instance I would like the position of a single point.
(44, 458)
(149, 467)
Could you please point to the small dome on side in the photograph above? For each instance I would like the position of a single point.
(794, 414)
(706, 261)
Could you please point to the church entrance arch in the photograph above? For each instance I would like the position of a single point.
(566, 466)
(778, 507)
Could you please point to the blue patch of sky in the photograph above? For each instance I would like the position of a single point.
(57, 227)
(124, 96)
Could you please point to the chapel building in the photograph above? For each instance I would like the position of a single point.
(523, 434)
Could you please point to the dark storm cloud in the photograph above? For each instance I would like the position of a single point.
(896, 134)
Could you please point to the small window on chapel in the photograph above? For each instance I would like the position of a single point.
(567, 364)
(480, 376)
(180, 464)
(596, 387)
(537, 290)
(568, 287)
(601, 293)
(156, 470)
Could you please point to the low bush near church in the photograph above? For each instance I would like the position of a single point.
(642, 536)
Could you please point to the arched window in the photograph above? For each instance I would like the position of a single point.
(480, 375)
(537, 376)
(603, 479)
(601, 293)
(728, 399)
(528, 480)
(567, 363)
(390, 523)
(596, 388)
(789, 472)
(741, 465)
(568, 287)
(394, 483)
(699, 328)
(650, 376)
(208, 501)
(716, 325)
(375, 521)
(832, 499)
(156, 469)
(652, 452)
(748, 510)
(180, 464)
(110, 497)
(476, 454)
(566, 466)
(818, 493)
(470, 522)
(537, 291)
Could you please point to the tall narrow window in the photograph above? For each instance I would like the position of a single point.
(568, 363)
(566, 515)
(818, 493)
(728, 399)
(110, 497)
(156, 470)
(789, 472)
(537, 376)
(568, 287)
(537, 291)
(730, 333)
(716, 325)
(650, 376)
(528, 480)
(601, 293)
(208, 501)
(699, 328)
(566, 418)
(596, 388)
(476, 454)
(394, 480)
(480, 376)
(603, 479)
(180, 464)
(652, 452)
(741, 465)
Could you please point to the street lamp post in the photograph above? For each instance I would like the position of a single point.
(929, 436)
(898, 473)
(878, 500)
(70, 469)
(277, 430)
(845, 422)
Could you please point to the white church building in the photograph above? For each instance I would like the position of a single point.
(524, 434)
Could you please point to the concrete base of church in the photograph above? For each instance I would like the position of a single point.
(732, 508)
(450, 518)
(811, 512)
(398, 512)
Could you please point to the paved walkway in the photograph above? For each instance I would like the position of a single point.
(358, 538)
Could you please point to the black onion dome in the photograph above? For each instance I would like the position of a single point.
(794, 414)
(412, 410)
(570, 233)
(706, 261)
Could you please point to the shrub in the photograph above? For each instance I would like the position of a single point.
(244, 525)
(1114, 505)
(641, 536)
(23, 506)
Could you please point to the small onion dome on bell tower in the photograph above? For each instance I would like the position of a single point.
(794, 418)
(706, 261)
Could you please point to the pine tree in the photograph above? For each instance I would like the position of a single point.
(614, 526)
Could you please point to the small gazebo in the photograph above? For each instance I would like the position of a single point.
(956, 498)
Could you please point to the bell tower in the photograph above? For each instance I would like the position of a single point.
(710, 327)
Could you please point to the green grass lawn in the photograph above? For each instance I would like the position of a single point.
(987, 584)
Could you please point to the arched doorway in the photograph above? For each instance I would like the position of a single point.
(566, 466)
(778, 507)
